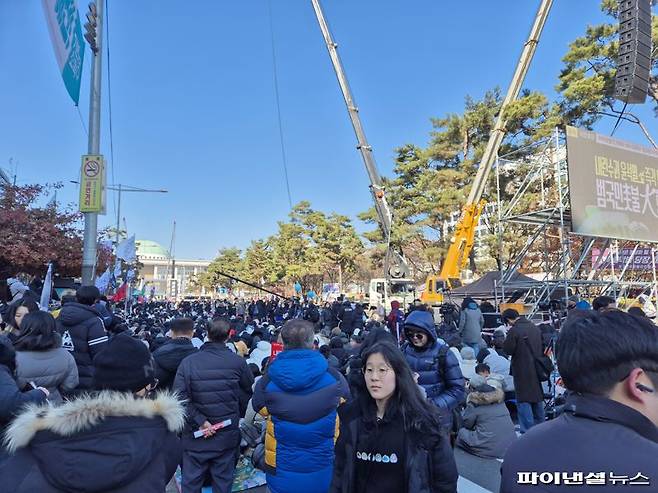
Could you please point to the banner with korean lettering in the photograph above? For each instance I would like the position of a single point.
(632, 258)
(63, 21)
(613, 187)
(92, 184)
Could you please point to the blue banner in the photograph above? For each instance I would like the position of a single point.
(65, 31)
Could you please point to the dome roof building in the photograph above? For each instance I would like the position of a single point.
(167, 277)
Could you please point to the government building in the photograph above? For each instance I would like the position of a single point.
(166, 277)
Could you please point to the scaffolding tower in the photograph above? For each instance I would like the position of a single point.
(572, 268)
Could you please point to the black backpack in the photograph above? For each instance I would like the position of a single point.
(456, 413)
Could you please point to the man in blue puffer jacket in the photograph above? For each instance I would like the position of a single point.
(299, 396)
(437, 367)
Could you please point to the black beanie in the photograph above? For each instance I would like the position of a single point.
(124, 364)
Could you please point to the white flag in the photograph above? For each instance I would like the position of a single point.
(103, 282)
(126, 249)
(47, 287)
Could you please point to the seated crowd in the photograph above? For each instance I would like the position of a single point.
(342, 398)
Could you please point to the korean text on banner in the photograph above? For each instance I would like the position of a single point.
(63, 22)
(613, 187)
(92, 184)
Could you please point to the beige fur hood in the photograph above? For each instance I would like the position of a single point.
(87, 411)
(486, 398)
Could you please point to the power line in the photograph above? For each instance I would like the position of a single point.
(278, 105)
(82, 121)
(109, 101)
(619, 118)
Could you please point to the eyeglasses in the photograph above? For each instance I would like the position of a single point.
(415, 335)
(644, 388)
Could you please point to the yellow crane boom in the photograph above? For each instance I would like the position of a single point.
(461, 243)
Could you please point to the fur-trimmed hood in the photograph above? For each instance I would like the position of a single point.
(88, 411)
(486, 398)
(98, 443)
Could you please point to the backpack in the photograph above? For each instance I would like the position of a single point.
(456, 413)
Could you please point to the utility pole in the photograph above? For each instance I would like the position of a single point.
(94, 144)
(119, 217)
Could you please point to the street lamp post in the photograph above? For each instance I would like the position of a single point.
(121, 189)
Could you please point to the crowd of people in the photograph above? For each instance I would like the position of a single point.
(340, 397)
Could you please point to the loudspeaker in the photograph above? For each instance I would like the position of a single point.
(634, 61)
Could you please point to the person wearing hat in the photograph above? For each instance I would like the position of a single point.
(117, 439)
(16, 288)
(437, 367)
(83, 332)
(487, 429)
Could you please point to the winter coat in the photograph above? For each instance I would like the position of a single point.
(488, 429)
(216, 383)
(110, 442)
(593, 434)
(12, 400)
(471, 322)
(444, 388)
(333, 362)
(83, 334)
(338, 350)
(168, 357)
(54, 369)
(395, 319)
(526, 382)
(312, 314)
(347, 318)
(429, 461)
(104, 312)
(328, 318)
(299, 396)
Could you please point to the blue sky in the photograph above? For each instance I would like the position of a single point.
(193, 107)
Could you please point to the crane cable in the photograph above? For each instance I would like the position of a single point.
(278, 104)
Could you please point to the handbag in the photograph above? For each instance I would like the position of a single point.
(543, 364)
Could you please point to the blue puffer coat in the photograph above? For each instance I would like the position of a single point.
(299, 396)
(447, 390)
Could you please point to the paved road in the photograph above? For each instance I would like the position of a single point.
(475, 475)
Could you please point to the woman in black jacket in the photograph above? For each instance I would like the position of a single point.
(390, 439)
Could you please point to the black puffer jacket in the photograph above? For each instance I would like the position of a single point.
(83, 334)
(594, 437)
(110, 442)
(12, 399)
(429, 461)
(168, 357)
(216, 383)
